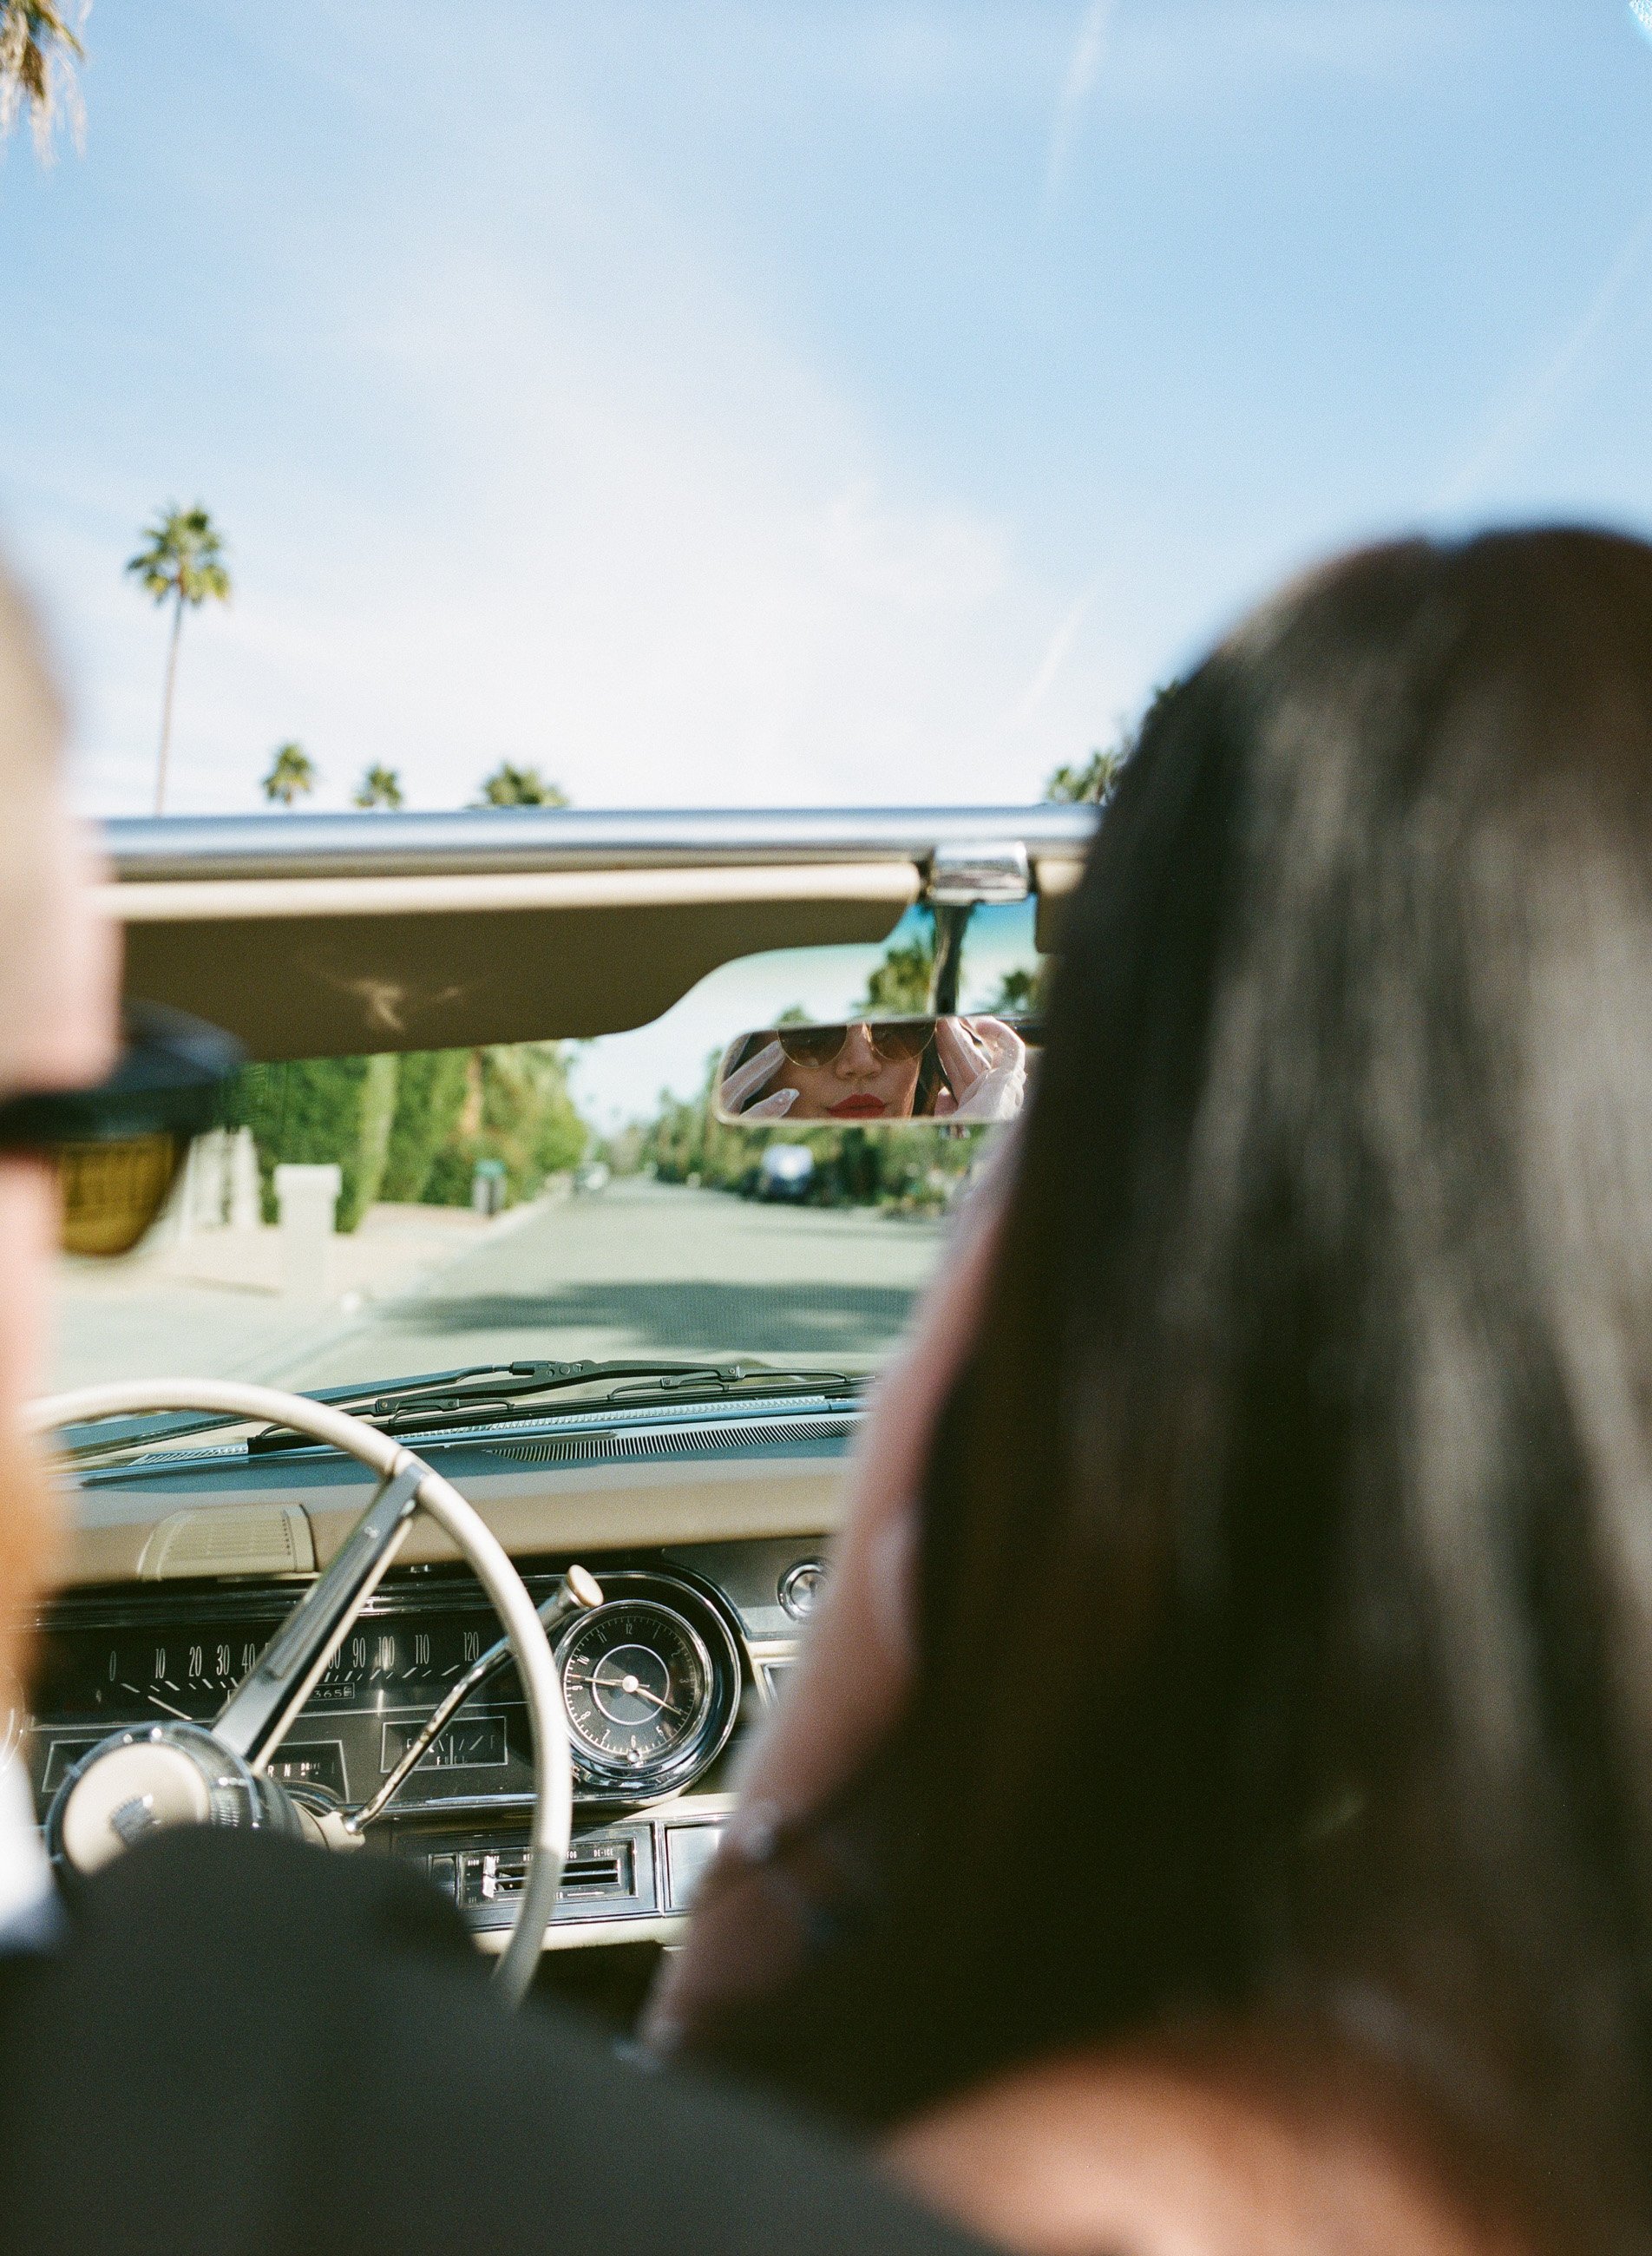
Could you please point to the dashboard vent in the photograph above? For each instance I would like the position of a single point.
(726, 1439)
(230, 1538)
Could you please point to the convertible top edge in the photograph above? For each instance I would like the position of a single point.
(339, 935)
(497, 839)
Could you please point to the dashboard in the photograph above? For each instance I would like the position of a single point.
(691, 1643)
(707, 1533)
(652, 1680)
(657, 1680)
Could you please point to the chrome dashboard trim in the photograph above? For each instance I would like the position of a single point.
(771, 1659)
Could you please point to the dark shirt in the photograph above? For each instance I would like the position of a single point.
(244, 2045)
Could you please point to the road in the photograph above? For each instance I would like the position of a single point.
(638, 1267)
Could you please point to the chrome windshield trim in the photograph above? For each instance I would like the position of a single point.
(709, 1413)
(174, 848)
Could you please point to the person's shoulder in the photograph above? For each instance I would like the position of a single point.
(257, 1893)
(1137, 2153)
(252, 2036)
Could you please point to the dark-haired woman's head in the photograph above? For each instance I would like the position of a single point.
(1283, 1646)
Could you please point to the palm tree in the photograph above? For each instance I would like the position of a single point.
(38, 50)
(514, 786)
(380, 786)
(291, 775)
(1093, 780)
(183, 564)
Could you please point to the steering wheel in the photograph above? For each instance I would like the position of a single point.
(171, 1773)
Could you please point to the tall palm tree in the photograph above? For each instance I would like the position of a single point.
(380, 786)
(182, 564)
(514, 786)
(291, 775)
(40, 47)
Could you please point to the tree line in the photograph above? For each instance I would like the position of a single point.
(182, 565)
(414, 1127)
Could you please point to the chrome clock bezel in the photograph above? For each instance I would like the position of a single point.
(601, 1779)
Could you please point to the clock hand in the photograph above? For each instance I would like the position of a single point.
(634, 1685)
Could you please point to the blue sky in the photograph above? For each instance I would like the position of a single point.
(751, 403)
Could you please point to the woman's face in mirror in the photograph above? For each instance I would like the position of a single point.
(859, 1079)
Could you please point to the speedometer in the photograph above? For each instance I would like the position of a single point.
(639, 1689)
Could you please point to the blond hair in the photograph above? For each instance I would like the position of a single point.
(32, 733)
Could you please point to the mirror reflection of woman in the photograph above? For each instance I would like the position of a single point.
(867, 1070)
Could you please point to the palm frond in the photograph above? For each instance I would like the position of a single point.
(510, 786)
(292, 775)
(380, 786)
(40, 47)
(183, 557)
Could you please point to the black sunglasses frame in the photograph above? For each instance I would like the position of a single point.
(170, 1080)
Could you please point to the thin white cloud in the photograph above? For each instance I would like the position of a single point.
(1542, 395)
(1056, 652)
(671, 567)
(1083, 68)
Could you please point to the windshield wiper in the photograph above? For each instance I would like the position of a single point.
(483, 1394)
(508, 1391)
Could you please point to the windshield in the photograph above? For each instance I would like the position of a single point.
(357, 1220)
(745, 405)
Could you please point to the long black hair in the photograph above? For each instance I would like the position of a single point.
(1286, 1620)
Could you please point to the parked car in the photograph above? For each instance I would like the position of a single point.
(785, 1171)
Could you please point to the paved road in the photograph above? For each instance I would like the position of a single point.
(637, 1268)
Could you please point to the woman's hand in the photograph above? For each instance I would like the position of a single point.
(751, 1075)
(984, 1061)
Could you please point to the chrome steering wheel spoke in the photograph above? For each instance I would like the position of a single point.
(155, 1776)
(255, 1719)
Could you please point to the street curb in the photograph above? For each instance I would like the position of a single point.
(334, 1334)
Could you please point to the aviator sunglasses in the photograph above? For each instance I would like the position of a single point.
(893, 1039)
(117, 1147)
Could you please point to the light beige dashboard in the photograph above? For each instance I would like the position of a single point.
(181, 1556)
(169, 1529)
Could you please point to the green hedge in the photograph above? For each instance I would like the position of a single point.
(430, 1094)
(413, 1127)
(318, 1110)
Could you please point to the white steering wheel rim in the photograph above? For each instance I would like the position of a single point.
(382, 1454)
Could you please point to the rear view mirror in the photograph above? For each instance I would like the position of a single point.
(860, 1072)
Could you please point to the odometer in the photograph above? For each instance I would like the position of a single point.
(637, 1684)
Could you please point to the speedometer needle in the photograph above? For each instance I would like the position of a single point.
(165, 1706)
